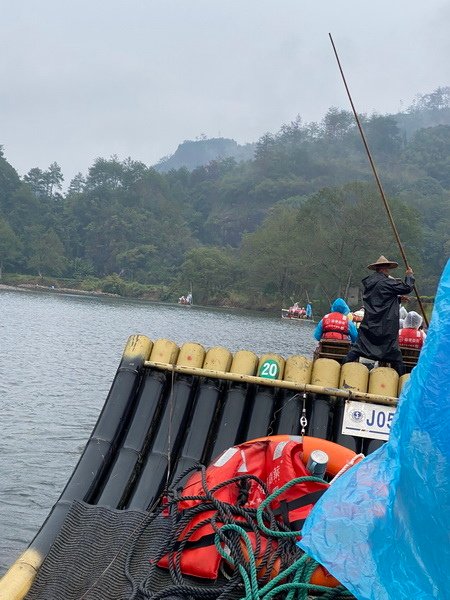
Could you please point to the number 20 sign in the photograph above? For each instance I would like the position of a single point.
(270, 369)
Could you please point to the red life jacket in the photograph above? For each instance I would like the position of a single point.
(275, 463)
(335, 327)
(410, 338)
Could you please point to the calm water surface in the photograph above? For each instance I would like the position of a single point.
(58, 357)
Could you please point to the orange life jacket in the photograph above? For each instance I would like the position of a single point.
(410, 338)
(335, 327)
(276, 463)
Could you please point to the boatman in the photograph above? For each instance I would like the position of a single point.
(378, 332)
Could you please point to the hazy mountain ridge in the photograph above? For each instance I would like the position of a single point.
(196, 153)
(427, 110)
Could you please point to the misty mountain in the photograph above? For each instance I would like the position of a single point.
(196, 153)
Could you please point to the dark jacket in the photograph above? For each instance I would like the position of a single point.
(378, 332)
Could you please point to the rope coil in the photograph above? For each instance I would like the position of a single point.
(246, 570)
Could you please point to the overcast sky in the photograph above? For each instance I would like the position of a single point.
(90, 78)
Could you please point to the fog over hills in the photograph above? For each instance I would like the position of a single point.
(428, 110)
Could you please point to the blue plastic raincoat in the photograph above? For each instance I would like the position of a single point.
(340, 306)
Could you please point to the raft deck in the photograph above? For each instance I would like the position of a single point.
(169, 408)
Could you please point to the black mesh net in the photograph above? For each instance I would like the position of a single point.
(102, 554)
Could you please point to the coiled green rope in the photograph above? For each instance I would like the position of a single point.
(301, 570)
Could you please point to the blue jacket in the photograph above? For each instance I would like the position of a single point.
(340, 306)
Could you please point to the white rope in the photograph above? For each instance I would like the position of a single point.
(356, 459)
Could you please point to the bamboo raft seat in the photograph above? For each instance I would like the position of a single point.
(410, 357)
(335, 349)
(338, 349)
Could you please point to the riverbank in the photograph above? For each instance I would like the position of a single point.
(52, 289)
(116, 287)
(30, 287)
(110, 286)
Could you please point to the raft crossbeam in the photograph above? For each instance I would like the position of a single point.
(279, 383)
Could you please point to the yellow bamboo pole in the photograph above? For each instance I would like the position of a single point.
(288, 385)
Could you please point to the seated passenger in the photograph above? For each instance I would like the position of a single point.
(402, 316)
(293, 309)
(402, 313)
(335, 325)
(410, 336)
(358, 316)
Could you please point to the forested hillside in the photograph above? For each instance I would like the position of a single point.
(302, 217)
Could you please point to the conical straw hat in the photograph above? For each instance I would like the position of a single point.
(383, 262)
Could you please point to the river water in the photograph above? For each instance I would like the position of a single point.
(58, 357)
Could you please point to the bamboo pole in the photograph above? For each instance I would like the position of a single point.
(377, 179)
(279, 383)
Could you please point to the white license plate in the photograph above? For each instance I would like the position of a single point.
(366, 420)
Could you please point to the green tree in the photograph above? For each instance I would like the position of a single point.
(347, 228)
(81, 268)
(23, 209)
(9, 245)
(36, 179)
(383, 135)
(271, 258)
(53, 179)
(437, 100)
(9, 182)
(325, 244)
(47, 256)
(135, 262)
(337, 123)
(211, 271)
(429, 150)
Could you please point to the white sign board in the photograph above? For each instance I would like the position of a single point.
(366, 420)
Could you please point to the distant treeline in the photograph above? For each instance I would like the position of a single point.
(302, 218)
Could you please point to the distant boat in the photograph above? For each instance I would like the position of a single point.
(298, 314)
(186, 300)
